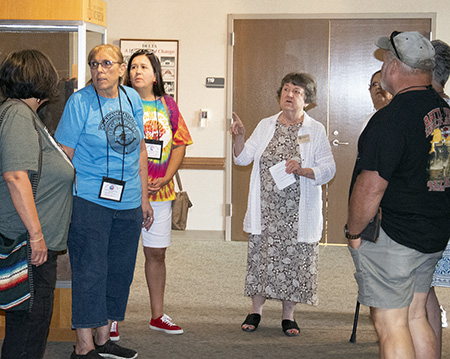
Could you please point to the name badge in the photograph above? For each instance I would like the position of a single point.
(303, 139)
(154, 149)
(111, 189)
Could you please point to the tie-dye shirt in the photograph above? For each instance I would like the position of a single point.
(172, 133)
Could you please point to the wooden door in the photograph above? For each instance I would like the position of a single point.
(340, 55)
(265, 51)
(352, 63)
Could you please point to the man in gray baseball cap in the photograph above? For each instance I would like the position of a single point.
(411, 48)
(395, 171)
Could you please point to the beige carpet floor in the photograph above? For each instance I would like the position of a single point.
(204, 295)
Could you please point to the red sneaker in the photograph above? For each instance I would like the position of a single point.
(114, 332)
(164, 323)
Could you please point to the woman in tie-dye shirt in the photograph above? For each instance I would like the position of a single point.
(166, 137)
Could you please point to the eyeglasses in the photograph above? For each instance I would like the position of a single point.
(391, 38)
(106, 64)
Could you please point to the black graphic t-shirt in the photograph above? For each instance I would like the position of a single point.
(403, 142)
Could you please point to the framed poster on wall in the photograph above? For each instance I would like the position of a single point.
(167, 53)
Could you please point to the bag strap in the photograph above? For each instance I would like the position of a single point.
(2, 116)
(163, 100)
(178, 181)
(35, 177)
(177, 175)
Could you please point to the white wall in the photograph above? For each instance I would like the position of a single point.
(201, 28)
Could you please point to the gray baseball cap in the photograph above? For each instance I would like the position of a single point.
(411, 48)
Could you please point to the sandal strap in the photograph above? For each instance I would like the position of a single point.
(252, 319)
(289, 324)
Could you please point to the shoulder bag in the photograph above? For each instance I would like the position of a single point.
(180, 207)
(16, 281)
(181, 203)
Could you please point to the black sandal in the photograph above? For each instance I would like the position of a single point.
(288, 325)
(252, 319)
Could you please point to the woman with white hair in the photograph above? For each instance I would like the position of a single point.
(284, 222)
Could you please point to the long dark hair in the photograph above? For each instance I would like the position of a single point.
(158, 87)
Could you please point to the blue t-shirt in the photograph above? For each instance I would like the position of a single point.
(99, 143)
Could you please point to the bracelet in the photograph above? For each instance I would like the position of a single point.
(350, 236)
(37, 240)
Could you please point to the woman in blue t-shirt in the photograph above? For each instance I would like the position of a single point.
(102, 131)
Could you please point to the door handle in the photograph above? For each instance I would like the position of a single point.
(337, 143)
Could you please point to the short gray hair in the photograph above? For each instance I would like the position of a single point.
(303, 80)
(442, 59)
(404, 68)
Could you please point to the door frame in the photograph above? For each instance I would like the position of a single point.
(229, 76)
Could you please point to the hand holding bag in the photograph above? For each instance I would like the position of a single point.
(180, 207)
(16, 281)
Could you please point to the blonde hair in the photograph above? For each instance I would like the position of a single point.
(112, 50)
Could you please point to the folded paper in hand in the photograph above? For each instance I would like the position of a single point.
(281, 178)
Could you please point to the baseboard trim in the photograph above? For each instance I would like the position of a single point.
(199, 234)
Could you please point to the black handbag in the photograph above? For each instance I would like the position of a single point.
(16, 280)
(372, 232)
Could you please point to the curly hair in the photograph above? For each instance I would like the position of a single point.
(305, 81)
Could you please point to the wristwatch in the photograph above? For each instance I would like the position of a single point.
(350, 236)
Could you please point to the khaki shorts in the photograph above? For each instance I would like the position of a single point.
(388, 274)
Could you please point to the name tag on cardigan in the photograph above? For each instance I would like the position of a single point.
(303, 139)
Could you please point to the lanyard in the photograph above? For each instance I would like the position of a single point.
(122, 135)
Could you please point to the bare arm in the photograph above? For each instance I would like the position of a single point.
(367, 193)
(147, 210)
(176, 158)
(22, 197)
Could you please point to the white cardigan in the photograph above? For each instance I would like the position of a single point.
(316, 154)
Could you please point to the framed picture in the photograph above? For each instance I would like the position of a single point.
(167, 53)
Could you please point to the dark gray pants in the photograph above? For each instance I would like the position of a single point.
(26, 333)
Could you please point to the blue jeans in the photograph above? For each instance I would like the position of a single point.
(26, 333)
(103, 244)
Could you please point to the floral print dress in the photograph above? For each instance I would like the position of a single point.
(278, 266)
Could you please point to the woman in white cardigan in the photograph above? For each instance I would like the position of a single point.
(284, 221)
